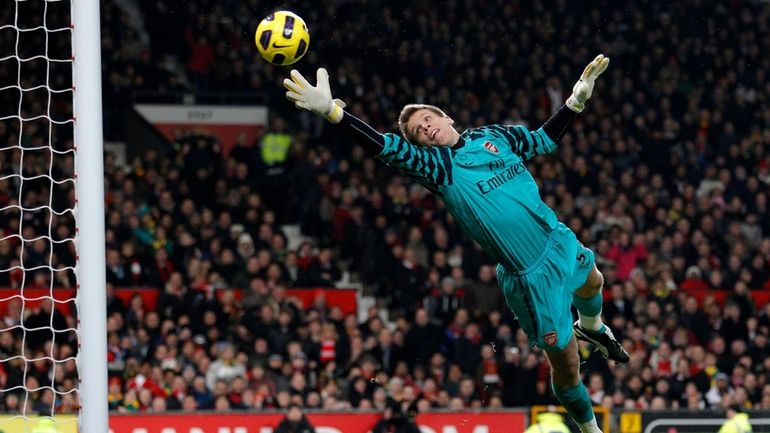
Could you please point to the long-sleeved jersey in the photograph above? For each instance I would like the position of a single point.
(484, 182)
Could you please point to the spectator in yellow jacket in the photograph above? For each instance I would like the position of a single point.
(45, 425)
(737, 421)
(549, 423)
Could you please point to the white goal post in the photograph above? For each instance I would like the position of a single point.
(89, 170)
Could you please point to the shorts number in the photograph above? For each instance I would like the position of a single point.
(581, 257)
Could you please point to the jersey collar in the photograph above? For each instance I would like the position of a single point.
(460, 144)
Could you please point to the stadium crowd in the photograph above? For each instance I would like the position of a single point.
(666, 177)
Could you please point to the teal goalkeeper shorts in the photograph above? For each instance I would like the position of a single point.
(541, 296)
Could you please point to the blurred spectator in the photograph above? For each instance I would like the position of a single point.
(548, 422)
(323, 271)
(386, 353)
(483, 295)
(295, 422)
(394, 421)
(627, 255)
(45, 425)
(423, 338)
(444, 304)
(737, 421)
(201, 60)
(226, 367)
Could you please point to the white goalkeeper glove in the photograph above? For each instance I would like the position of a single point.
(585, 85)
(317, 99)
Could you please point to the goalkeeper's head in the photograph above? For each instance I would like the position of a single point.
(427, 125)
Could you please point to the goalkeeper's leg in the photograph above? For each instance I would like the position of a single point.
(589, 327)
(569, 390)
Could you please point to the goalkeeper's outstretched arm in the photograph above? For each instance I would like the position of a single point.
(428, 165)
(529, 144)
(557, 125)
(318, 99)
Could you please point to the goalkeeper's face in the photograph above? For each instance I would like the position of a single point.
(431, 129)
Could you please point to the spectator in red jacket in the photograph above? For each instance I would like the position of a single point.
(201, 60)
(625, 255)
(694, 280)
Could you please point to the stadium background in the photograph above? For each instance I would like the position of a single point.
(666, 176)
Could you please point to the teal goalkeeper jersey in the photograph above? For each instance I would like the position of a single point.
(486, 187)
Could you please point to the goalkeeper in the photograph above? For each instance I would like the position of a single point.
(481, 176)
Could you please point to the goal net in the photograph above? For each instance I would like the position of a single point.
(40, 335)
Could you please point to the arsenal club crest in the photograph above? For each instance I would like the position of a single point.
(550, 338)
(491, 147)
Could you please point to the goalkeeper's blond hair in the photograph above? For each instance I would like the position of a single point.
(407, 112)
